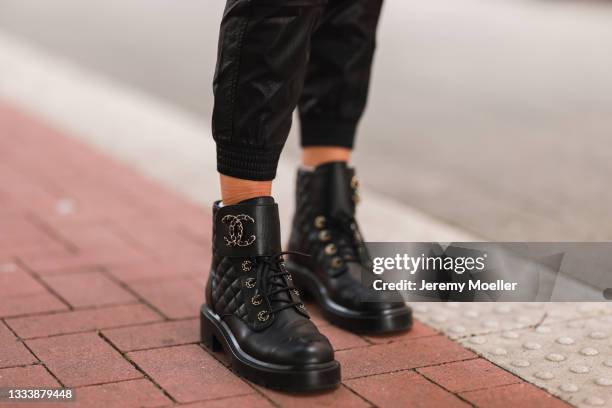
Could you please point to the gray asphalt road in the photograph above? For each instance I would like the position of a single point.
(492, 115)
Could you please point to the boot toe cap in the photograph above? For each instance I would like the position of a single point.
(312, 350)
(354, 298)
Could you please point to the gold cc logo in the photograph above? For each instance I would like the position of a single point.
(236, 229)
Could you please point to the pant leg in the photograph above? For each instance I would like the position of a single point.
(338, 76)
(261, 64)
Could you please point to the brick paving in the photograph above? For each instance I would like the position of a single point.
(101, 277)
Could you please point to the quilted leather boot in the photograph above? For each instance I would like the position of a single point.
(325, 227)
(253, 312)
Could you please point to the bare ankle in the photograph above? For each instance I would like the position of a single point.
(314, 156)
(234, 190)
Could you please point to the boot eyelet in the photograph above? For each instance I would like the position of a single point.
(246, 266)
(337, 262)
(289, 277)
(331, 249)
(256, 300)
(250, 283)
(354, 182)
(319, 222)
(356, 198)
(295, 292)
(301, 306)
(263, 316)
(324, 236)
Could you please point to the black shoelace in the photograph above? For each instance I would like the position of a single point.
(270, 281)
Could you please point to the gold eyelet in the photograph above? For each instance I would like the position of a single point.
(246, 266)
(324, 235)
(319, 222)
(356, 198)
(331, 249)
(250, 283)
(256, 300)
(354, 182)
(337, 262)
(295, 292)
(263, 316)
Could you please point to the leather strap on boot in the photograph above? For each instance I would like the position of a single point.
(247, 230)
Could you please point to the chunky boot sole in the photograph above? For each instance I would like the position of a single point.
(376, 322)
(217, 336)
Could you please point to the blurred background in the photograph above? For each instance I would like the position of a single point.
(494, 116)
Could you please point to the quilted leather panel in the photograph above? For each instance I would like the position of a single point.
(227, 288)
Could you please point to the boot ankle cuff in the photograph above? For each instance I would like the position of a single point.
(248, 162)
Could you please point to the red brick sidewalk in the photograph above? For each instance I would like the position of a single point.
(101, 278)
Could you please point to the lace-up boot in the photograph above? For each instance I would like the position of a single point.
(253, 311)
(325, 227)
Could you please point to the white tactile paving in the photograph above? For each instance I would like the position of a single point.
(565, 348)
(469, 319)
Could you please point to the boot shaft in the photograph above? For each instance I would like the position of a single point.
(245, 230)
(247, 277)
(253, 310)
(329, 190)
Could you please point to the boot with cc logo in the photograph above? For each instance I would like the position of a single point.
(254, 312)
(325, 227)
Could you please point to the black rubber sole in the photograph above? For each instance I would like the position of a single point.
(313, 377)
(383, 322)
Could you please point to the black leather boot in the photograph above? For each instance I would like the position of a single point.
(253, 311)
(324, 226)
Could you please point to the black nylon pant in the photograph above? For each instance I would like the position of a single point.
(275, 55)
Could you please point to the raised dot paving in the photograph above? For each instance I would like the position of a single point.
(571, 359)
(563, 348)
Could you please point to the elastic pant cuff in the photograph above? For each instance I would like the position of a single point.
(248, 162)
(327, 132)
